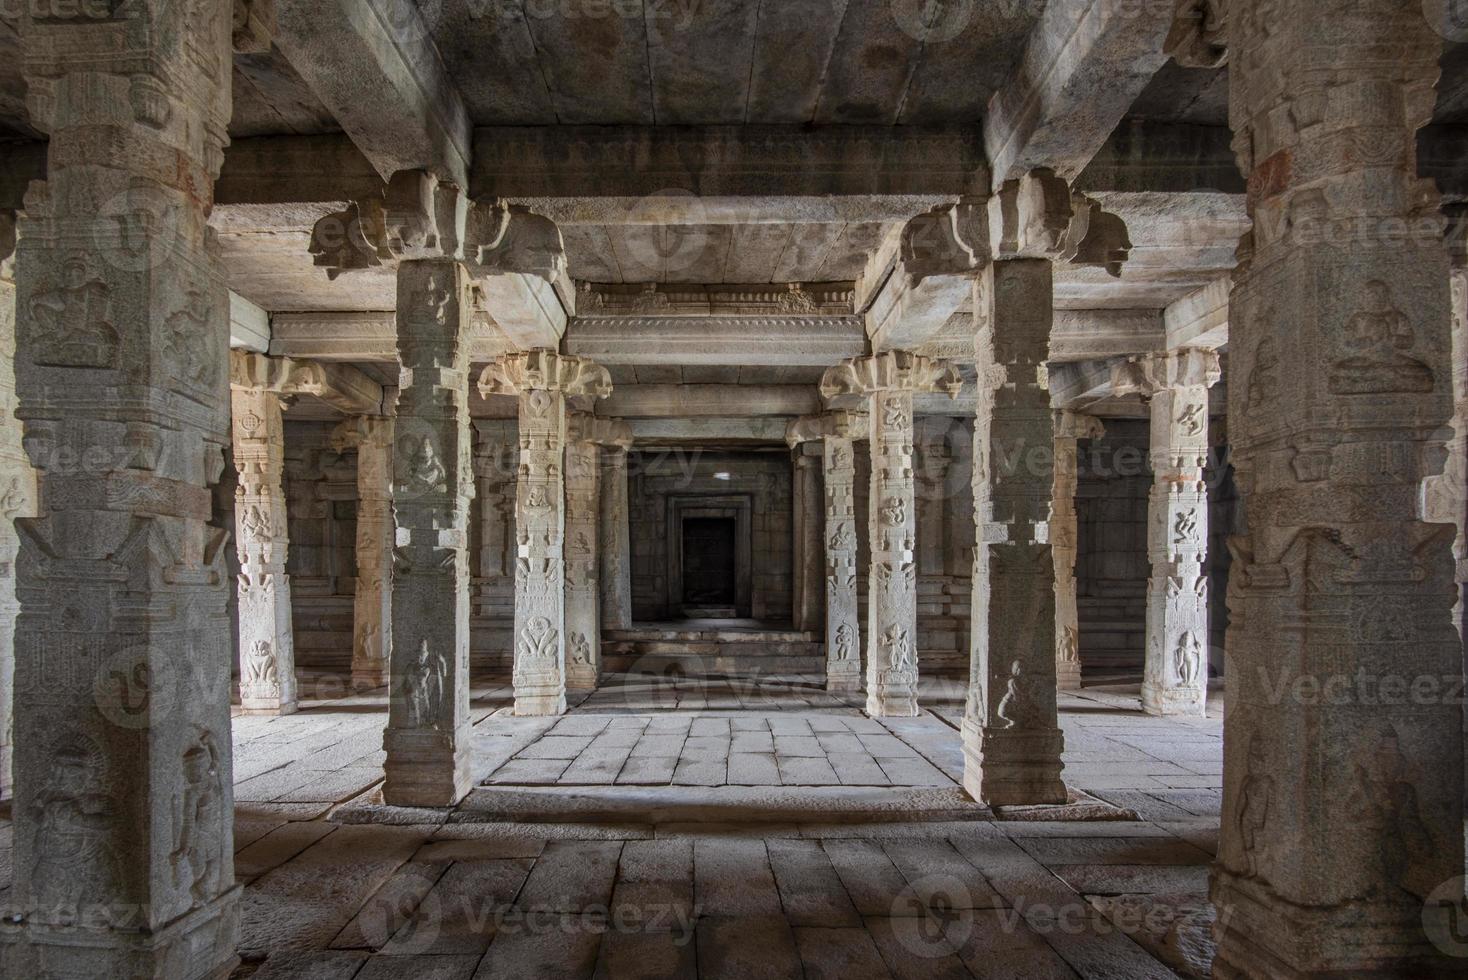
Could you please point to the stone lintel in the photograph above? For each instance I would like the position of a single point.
(790, 340)
(827, 425)
(675, 401)
(249, 325)
(341, 386)
(544, 370)
(725, 300)
(1199, 319)
(857, 378)
(585, 427)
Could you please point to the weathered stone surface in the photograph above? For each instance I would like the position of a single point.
(123, 791)
(615, 547)
(1175, 386)
(1070, 427)
(1337, 581)
(1012, 744)
(587, 435)
(428, 739)
(17, 500)
(372, 438)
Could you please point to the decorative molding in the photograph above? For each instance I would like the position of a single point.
(803, 341)
(781, 299)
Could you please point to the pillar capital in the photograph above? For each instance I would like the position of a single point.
(1038, 216)
(1148, 374)
(603, 432)
(544, 370)
(893, 370)
(838, 424)
(1077, 425)
(341, 386)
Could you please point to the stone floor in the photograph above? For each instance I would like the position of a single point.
(720, 828)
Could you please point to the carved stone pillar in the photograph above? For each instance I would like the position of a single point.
(543, 380)
(494, 466)
(616, 549)
(1175, 679)
(1342, 826)
(932, 467)
(583, 587)
(17, 500)
(372, 605)
(428, 738)
(123, 790)
(267, 647)
(806, 502)
(889, 380)
(1070, 427)
(1011, 739)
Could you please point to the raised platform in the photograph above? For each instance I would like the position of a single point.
(710, 647)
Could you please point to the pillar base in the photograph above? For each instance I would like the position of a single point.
(843, 682)
(267, 706)
(892, 706)
(576, 681)
(1262, 936)
(1163, 701)
(426, 768)
(540, 705)
(1013, 768)
(1067, 677)
(200, 945)
(367, 680)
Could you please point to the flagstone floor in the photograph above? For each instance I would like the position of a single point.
(719, 828)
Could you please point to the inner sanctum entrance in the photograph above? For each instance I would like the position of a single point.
(709, 567)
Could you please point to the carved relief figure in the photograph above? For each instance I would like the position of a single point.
(1185, 529)
(1264, 379)
(254, 525)
(1379, 332)
(1256, 796)
(72, 322)
(577, 649)
(1069, 647)
(258, 671)
(423, 687)
(902, 658)
(538, 646)
(1187, 659)
(190, 345)
(199, 815)
(425, 473)
(1192, 419)
(1385, 802)
(845, 643)
(73, 816)
(842, 539)
(1018, 707)
(894, 511)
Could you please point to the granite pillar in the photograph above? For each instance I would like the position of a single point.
(372, 437)
(123, 830)
(1070, 427)
(808, 518)
(1341, 851)
(583, 587)
(1011, 738)
(17, 500)
(616, 548)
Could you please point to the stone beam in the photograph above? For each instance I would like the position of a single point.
(266, 170)
(1083, 68)
(807, 341)
(249, 325)
(366, 336)
(922, 274)
(646, 174)
(1147, 156)
(1089, 334)
(341, 386)
(1199, 319)
(1080, 384)
(708, 431)
(657, 401)
(373, 63)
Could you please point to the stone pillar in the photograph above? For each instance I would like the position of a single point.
(267, 648)
(616, 548)
(372, 437)
(1175, 384)
(1011, 739)
(1342, 825)
(933, 461)
(889, 381)
(428, 738)
(17, 496)
(1070, 427)
(123, 783)
(543, 380)
(808, 552)
(583, 587)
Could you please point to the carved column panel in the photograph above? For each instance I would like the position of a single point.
(889, 380)
(267, 647)
(372, 603)
(806, 501)
(1011, 738)
(1175, 679)
(428, 735)
(1342, 824)
(17, 497)
(123, 783)
(583, 587)
(843, 632)
(494, 466)
(616, 549)
(1070, 427)
(543, 380)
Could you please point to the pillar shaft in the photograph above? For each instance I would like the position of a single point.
(807, 524)
(1011, 739)
(892, 669)
(1070, 427)
(843, 631)
(1342, 822)
(267, 647)
(428, 734)
(123, 784)
(17, 496)
(540, 524)
(615, 550)
(583, 586)
(372, 603)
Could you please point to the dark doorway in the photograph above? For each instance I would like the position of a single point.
(709, 562)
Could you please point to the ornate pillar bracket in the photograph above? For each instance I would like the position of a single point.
(543, 380)
(586, 435)
(837, 432)
(888, 382)
(1175, 386)
(340, 386)
(1341, 852)
(428, 738)
(1070, 428)
(372, 439)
